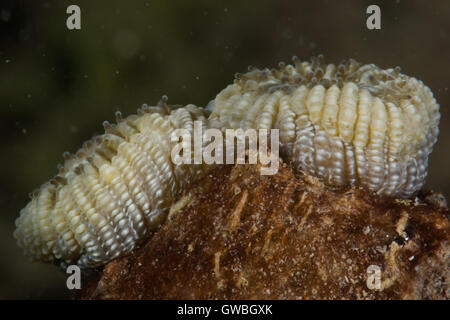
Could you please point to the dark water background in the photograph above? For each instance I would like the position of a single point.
(57, 86)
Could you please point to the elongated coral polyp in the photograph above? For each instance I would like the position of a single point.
(349, 124)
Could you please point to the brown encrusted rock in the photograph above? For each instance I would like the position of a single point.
(240, 235)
